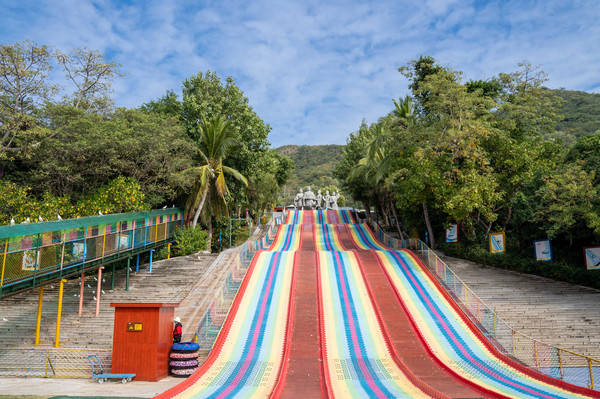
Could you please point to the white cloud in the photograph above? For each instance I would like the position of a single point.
(313, 71)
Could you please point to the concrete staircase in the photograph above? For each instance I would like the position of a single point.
(554, 312)
(171, 281)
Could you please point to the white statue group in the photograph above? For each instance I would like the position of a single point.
(308, 199)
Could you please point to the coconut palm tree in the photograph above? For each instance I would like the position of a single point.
(216, 140)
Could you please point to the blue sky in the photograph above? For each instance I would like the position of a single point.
(313, 70)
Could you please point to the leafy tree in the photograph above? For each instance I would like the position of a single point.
(587, 149)
(19, 203)
(569, 199)
(168, 105)
(282, 167)
(205, 96)
(24, 69)
(262, 193)
(488, 88)
(14, 202)
(451, 164)
(416, 71)
(354, 151)
(525, 108)
(90, 75)
(120, 195)
(89, 150)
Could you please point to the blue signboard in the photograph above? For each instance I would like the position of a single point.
(543, 250)
(497, 243)
(452, 233)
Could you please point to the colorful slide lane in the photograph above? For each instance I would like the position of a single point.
(450, 337)
(289, 238)
(404, 339)
(312, 319)
(246, 358)
(357, 356)
(457, 344)
(302, 368)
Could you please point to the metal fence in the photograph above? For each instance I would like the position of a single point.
(28, 258)
(550, 360)
(51, 362)
(73, 363)
(211, 322)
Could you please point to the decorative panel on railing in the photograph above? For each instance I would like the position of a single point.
(50, 250)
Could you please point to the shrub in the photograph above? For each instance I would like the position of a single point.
(123, 194)
(186, 241)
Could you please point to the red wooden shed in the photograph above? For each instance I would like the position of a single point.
(142, 338)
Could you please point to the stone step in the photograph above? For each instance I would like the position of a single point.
(553, 312)
(170, 281)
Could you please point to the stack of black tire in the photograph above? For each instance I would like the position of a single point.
(183, 359)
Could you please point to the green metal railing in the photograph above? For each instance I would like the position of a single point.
(36, 253)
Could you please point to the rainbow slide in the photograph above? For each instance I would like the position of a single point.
(246, 358)
(357, 357)
(358, 362)
(453, 340)
(450, 337)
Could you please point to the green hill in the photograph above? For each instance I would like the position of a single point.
(314, 167)
(581, 113)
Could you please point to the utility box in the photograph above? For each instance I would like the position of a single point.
(142, 338)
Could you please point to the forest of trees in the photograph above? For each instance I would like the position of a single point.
(493, 155)
(68, 151)
(488, 156)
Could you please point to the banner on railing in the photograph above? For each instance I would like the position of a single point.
(30, 260)
(497, 242)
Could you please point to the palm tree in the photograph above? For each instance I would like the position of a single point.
(216, 139)
(405, 112)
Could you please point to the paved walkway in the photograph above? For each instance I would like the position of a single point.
(48, 387)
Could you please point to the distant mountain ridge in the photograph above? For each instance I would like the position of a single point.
(314, 166)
